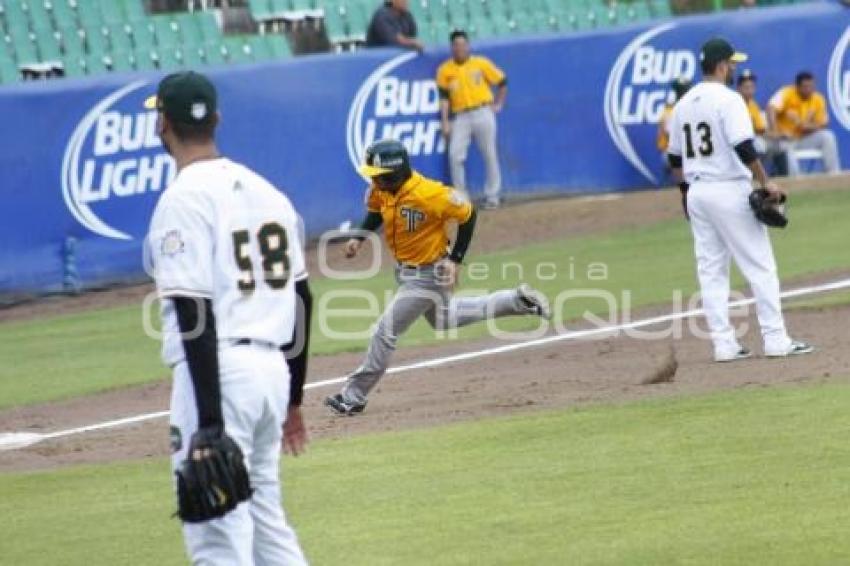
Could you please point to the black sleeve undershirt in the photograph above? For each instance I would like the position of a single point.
(746, 152)
(444, 93)
(464, 237)
(200, 342)
(371, 223)
(297, 352)
(675, 161)
(503, 82)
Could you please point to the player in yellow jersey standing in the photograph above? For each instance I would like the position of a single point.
(465, 82)
(415, 212)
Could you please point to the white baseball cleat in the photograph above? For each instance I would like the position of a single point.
(535, 301)
(794, 349)
(741, 354)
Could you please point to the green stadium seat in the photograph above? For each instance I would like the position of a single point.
(167, 31)
(73, 65)
(485, 29)
(95, 63)
(358, 21)
(9, 72)
(210, 29)
(88, 12)
(278, 45)
(111, 11)
(16, 17)
(193, 57)
(142, 34)
(119, 37)
(236, 51)
(72, 42)
(133, 9)
(419, 10)
(49, 48)
(170, 58)
(258, 48)
(96, 40)
(144, 58)
(279, 7)
(120, 61)
(335, 26)
(213, 54)
(61, 11)
(260, 9)
(39, 16)
(25, 51)
(190, 29)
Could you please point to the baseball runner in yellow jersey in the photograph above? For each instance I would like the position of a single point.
(415, 212)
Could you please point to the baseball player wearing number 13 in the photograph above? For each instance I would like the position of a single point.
(226, 255)
(711, 145)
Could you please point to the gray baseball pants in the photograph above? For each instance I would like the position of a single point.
(420, 293)
(478, 124)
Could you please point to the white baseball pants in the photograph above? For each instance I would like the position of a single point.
(254, 397)
(725, 228)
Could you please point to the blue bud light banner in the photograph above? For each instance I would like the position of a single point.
(83, 167)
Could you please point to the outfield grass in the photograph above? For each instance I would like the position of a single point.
(83, 353)
(757, 476)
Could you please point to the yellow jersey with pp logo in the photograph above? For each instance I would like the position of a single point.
(792, 111)
(469, 84)
(417, 216)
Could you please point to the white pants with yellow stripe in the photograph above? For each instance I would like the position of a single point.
(254, 398)
(421, 294)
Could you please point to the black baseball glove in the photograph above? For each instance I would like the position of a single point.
(768, 208)
(213, 480)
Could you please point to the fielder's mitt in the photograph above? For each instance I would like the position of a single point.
(767, 209)
(213, 480)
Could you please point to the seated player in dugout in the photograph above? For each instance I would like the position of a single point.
(468, 112)
(798, 119)
(765, 145)
(680, 86)
(416, 213)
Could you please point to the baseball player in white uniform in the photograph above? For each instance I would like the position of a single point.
(711, 146)
(227, 257)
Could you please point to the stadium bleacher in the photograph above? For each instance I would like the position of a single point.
(85, 37)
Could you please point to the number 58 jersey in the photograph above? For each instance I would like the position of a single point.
(222, 232)
(706, 125)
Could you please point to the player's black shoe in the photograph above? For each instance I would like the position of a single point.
(535, 301)
(342, 407)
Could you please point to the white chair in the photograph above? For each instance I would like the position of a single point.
(800, 155)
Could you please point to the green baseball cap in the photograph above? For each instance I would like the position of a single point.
(186, 97)
(718, 49)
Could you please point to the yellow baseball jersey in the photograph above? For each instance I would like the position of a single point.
(469, 84)
(759, 125)
(792, 111)
(416, 218)
(662, 140)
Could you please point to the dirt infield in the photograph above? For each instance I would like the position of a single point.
(561, 375)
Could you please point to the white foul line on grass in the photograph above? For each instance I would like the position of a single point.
(15, 440)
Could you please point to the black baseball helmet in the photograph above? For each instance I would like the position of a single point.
(387, 159)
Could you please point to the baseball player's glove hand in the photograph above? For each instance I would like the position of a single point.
(213, 480)
(769, 208)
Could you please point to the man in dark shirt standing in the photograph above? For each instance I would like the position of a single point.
(393, 25)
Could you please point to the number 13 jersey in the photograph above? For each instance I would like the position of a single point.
(707, 124)
(222, 232)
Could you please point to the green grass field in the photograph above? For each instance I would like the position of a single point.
(77, 354)
(755, 476)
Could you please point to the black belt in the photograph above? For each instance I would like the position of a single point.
(249, 342)
(472, 108)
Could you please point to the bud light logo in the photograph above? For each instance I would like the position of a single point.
(113, 159)
(395, 102)
(838, 80)
(637, 90)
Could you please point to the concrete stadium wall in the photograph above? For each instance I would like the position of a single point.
(82, 168)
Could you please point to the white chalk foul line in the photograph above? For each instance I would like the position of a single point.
(15, 440)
